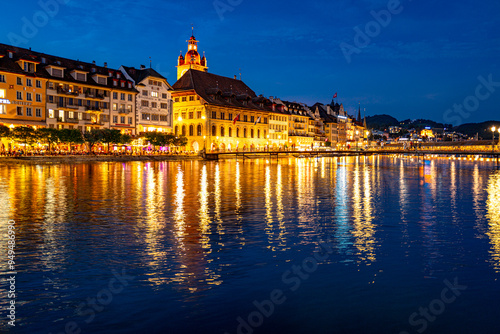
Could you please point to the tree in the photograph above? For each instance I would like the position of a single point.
(125, 139)
(110, 136)
(92, 137)
(180, 141)
(23, 134)
(70, 136)
(4, 133)
(157, 138)
(48, 135)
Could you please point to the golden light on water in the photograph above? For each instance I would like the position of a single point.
(493, 215)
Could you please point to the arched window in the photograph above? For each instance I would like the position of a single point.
(199, 130)
(214, 131)
(251, 133)
(191, 130)
(176, 131)
(258, 133)
(237, 132)
(230, 133)
(244, 132)
(184, 130)
(222, 131)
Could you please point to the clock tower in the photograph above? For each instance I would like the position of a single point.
(192, 60)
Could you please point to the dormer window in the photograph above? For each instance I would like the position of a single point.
(11, 54)
(129, 85)
(58, 62)
(118, 75)
(44, 60)
(93, 69)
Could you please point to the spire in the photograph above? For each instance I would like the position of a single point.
(359, 114)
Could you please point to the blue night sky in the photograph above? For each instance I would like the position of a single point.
(424, 61)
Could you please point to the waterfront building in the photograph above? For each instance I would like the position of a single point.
(154, 104)
(298, 125)
(220, 113)
(22, 88)
(278, 124)
(122, 104)
(330, 123)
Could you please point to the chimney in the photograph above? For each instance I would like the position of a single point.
(235, 77)
(143, 67)
(106, 64)
(93, 62)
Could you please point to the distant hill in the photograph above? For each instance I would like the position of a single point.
(381, 122)
(482, 129)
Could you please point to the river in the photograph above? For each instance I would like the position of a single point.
(298, 245)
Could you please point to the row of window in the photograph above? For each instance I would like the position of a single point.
(154, 94)
(26, 112)
(122, 96)
(278, 118)
(71, 102)
(154, 117)
(221, 133)
(145, 103)
(29, 96)
(122, 120)
(128, 108)
(278, 127)
(185, 98)
(29, 81)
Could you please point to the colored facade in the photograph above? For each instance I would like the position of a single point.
(22, 88)
(220, 113)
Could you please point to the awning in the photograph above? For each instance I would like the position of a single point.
(8, 122)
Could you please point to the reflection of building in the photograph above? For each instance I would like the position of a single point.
(154, 101)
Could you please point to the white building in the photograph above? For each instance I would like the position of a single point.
(154, 105)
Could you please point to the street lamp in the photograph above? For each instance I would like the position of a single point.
(493, 131)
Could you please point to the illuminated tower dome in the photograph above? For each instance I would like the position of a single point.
(192, 60)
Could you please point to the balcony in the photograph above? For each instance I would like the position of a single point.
(124, 111)
(62, 91)
(91, 95)
(93, 109)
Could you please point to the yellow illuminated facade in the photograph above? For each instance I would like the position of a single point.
(22, 94)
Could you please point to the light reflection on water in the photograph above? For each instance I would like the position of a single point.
(198, 228)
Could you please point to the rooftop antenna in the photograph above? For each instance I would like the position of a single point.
(150, 62)
(240, 74)
(192, 30)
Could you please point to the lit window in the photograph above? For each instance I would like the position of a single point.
(154, 94)
(2, 93)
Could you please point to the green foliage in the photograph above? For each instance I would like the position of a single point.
(92, 137)
(4, 131)
(110, 136)
(23, 134)
(328, 143)
(125, 139)
(70, 136)
(180, 141)
(48, 136)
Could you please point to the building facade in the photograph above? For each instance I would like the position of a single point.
(154, 104)
(22, 88)
(220, 113)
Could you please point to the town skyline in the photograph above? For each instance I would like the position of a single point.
(295, 60)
